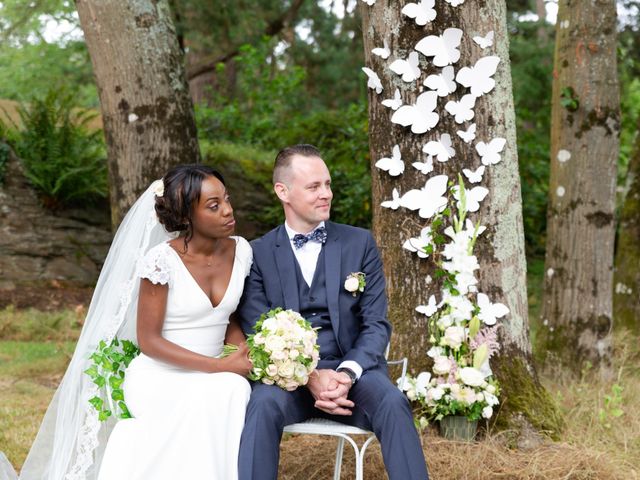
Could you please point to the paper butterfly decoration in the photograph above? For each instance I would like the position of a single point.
(393, 165)
(443, 48)
(490, 152)
(424, 167)
(395, 102)
(430, 199)
(455, 3)
(478, 78)
(369, 2)
(441, 149)
(383, 52)
(443, 83)
(469, 134)
(394, 203)
(421, 115)
(428, 309)
(469, 230)
(489, 312)
(418, 244)
(472, 196)
(486, 41)
(374, 82)
(463, 109)
(409, 68)
(474, 177)
(422, 12)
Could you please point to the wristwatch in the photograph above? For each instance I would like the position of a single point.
(351, 373)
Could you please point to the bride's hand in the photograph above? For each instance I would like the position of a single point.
(238, 362)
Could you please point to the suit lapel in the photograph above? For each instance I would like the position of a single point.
(286, 270)
(332, 263)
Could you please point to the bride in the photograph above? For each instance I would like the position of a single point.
(172, 279)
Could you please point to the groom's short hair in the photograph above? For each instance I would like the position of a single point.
(283, 159)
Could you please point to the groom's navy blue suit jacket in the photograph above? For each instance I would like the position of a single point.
(359, 323)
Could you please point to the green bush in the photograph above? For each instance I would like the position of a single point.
(63, 160)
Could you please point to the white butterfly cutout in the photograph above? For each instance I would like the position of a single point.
(486, 41)
(454, 3)
(424, 167)
(490, 152)
(490, 312)
(383, 52)
(409, 68)
(441, 149)
(369, 2)
(469, 134)
(474, 176)
(418, 244)
(430, 199)
(393, 165)
(421, 115)
(443, 83)
(394, 203)
(473, 197)
(463, 109)
(443, 48)
(374, 82)
(395, 102)
(428, 309)
(422, 12)
(469, 231)
(478, 78)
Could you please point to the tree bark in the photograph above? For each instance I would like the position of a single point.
(500, 249)
(148, 116)
(585, 126)
(626, 308)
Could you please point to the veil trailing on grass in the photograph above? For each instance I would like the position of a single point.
(71, 439)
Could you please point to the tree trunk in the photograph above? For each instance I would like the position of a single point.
(500, 249)
(148, 116)
(585, 126)
(626, 308)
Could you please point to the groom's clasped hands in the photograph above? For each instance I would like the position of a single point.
(330, 390)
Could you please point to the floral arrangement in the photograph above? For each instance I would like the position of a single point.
(283, 349)
(462, 324)
(355, 282)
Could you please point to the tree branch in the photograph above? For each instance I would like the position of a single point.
(273, 28)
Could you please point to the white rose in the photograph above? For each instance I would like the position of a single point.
(270, 324)
(271, 370)
(487, 412)
(411, 394)
(300, 371)
(453, 337)
(267, 380)
(258, 339)
(278, 355)
(286, 369)
(274, 343)
(351, 284)
(435, 393)
(158, 188)
(471, 376)
(293, 354)
(441, 365)
(290, 386)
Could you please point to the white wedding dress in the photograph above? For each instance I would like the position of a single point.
(186, 424)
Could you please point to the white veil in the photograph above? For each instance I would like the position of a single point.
(71, 440)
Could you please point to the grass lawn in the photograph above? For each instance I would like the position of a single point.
(601, 440)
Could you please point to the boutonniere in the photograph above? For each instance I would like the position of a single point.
(355, 283)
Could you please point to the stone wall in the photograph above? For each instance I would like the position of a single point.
(38, 245)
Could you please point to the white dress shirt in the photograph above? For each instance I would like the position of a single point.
(307, 257)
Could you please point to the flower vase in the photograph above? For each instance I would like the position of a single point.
(456, 427)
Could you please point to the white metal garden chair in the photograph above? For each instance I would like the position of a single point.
(323, 426)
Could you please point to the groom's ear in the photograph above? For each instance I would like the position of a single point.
(281, 191)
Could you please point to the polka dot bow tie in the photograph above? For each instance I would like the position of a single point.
(318, 235)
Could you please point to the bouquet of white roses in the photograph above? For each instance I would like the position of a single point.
(283, 350)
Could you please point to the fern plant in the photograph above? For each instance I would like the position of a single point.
(63, 159)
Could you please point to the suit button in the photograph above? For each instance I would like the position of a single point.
(313, 314)
(313, 299)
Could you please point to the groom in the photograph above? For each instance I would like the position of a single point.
(302, 265)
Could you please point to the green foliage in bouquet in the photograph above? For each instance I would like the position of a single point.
(107, 372)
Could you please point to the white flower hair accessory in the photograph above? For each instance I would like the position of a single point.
(158, 187)
(355, 283)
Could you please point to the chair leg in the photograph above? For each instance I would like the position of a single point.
(360, 458)
(339, 451)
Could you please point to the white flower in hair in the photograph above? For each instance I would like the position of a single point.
(158, 188)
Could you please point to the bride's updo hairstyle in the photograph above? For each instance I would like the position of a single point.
(182, 186)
